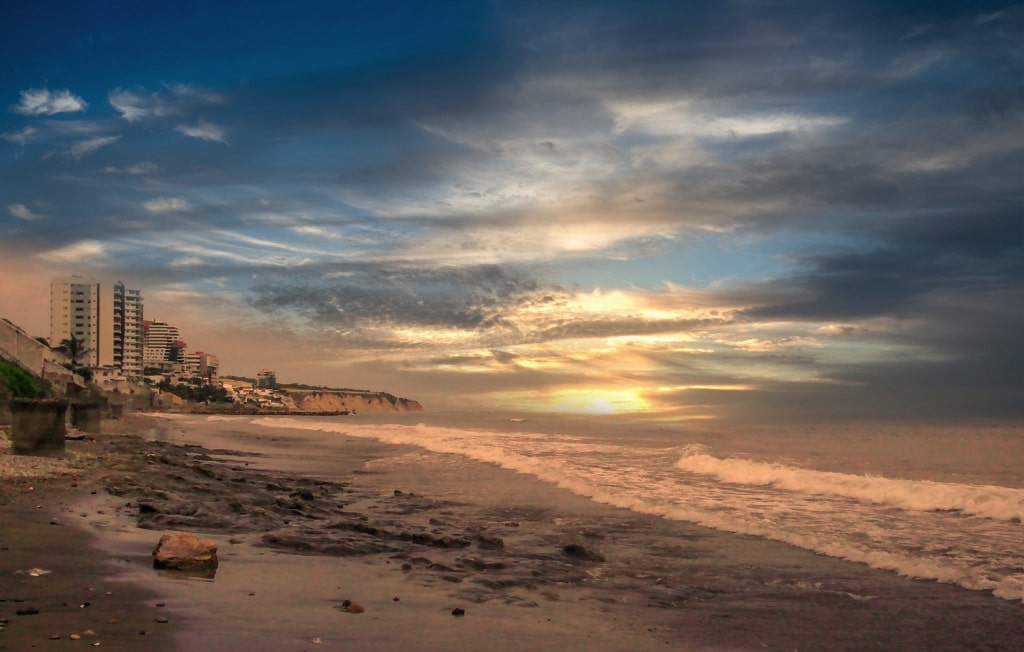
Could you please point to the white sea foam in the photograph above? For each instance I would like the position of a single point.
(1001, 503)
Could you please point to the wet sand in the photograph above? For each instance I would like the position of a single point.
(55, 584)
(529, 565)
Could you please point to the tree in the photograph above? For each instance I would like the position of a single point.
(74, 348)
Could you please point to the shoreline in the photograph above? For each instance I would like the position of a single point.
(375, 535)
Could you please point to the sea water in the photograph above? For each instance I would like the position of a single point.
(932, 502)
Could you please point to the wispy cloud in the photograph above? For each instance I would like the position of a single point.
(84, 148)
(133, 106)
(22, 137)
(189, 91)
(81, 252)
(174, 101)
(138, 169)
(204, 131)
(43, 101)
(166, 205)
(22, 212)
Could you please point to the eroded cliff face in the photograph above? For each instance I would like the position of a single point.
(325, 401)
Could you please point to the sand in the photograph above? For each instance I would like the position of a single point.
(530, 566)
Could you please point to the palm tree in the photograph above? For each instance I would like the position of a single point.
(74, 348)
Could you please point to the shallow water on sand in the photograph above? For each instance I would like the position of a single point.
(929, 502)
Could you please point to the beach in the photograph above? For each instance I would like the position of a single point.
(436, 556)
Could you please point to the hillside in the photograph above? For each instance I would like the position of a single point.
(316, 400)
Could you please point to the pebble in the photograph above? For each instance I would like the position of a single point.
(458, 611)
(75, 637)
(161, 619)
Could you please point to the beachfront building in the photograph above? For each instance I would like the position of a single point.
(105, 316)
(162, 343)
(209, 366)
(266, 379)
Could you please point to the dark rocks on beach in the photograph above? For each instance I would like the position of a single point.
(490, 542)
(185, 551)
(458, 612)
(577, 551)
(352, 607)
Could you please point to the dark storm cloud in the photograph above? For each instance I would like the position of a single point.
(462, 298)
(959, 256)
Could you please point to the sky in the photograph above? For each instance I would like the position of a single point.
(722, 211)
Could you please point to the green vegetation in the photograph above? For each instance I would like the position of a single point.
(74, 348)
(196, 390)
(16, 382)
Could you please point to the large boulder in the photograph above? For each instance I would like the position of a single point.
(185, 551)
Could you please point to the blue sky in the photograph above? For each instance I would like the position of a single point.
(711, 210)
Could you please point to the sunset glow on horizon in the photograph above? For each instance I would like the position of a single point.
(709, 209)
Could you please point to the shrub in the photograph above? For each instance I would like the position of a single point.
(19, 382)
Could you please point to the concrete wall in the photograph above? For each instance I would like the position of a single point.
(18, 345)
(39, 359)
(37, 426)
(86, 416)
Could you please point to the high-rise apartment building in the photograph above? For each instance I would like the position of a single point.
(105, 316)
(162, 343)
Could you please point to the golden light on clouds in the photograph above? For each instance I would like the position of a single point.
(577, 400)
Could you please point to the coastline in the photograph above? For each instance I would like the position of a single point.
(288, 562)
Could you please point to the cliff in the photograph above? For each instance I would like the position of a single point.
(328, 401)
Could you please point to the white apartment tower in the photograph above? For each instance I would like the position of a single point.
(106, 316)
(162, 343)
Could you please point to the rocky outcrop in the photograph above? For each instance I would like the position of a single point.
(334, 401)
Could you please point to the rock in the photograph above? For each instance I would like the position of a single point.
(490, 542)
(304, 494)
(458, 612)
(352, 607)
(185, 551)
(577, 551)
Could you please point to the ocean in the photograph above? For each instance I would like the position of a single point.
(933, 502)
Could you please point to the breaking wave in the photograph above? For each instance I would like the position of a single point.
(1001, 503)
